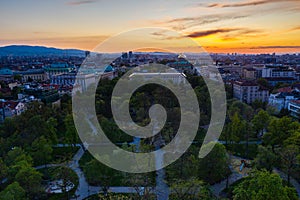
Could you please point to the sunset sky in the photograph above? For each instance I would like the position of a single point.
(243, 26)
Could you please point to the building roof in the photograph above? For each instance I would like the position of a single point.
(250, 69)
(11, 104)
(109, 68)
(6, 72)
(285, 89)
(58, 66)
(295, 102)
(30, 71)
(245, 83)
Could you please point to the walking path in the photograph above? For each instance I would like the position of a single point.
(219, 187)
(161, 190)
(84, 189)
(293, 182)
(235, 176)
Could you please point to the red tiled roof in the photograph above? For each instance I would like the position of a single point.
(296, 101)
(11, 104)
(285, 90)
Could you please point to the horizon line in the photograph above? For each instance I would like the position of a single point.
(209, 52)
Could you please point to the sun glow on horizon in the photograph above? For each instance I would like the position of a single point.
(244, 26)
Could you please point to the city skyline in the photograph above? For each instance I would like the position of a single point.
(242, 26)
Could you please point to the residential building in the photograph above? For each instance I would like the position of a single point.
(273, 81)
(281, 99)
(249, 91)
(272, 72)
(294, 108)
(249, 73)
(10, 109)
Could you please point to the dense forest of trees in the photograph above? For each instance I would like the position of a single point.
(29, 140)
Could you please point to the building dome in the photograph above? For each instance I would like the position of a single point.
(181, 55)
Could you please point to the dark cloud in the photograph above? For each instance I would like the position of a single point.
(198, 34)
(180, 24)
(231, 32)
(225, 33)
(164, 36)
(207, 19)
(247, 3)
(77, 3)
(297, 28)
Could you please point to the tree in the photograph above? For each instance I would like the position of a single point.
(244, 110)
(189, 189)
(263, 82)
(37, 126)
(279, 130)
(294, 139)
(30, 179)
(263, 185)
(71, 132)
(13, 191)
(8, 127)
(237, 127)
(289, 159)
(213, 167)
(111, 196)
(17, 77)
(97, 173)
(260, 122)
(41, 151)
(51, 126)
(15, 155)
(265, 158)
(142, 185)
(3, 170)
(258, 104)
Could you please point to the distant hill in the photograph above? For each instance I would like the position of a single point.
(24, 50)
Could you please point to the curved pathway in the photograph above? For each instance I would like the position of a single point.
(293, 181)
(235, 176)
(219, 187)
(84, 189)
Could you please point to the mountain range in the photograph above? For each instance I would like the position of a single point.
(24, 50)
